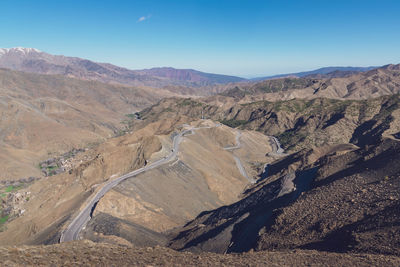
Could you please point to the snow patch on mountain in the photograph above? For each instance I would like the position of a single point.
(21, 50)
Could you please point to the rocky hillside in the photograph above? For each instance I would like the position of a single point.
(35, 61)
(297, 123)
(335, 74)
(269, 86)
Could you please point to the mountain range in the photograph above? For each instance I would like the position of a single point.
(361, 85)
(36, 61)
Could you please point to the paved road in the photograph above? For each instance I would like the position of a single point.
(237, 139)
(276, 147)
(287, 184)
(277, 151)
(73, 230)
(237, 159)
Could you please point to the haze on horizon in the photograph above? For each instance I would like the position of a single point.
(243, 38)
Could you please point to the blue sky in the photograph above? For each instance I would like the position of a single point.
(238, 37)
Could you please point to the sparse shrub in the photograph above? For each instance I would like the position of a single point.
(3, 219)
(9, 188)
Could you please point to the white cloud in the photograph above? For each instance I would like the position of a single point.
(143, 18)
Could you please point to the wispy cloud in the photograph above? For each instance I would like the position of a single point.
(143, 18)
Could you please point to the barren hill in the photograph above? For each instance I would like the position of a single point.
(42, 115)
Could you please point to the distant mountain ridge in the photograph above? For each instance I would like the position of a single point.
(360, 85)
(190, 74)
(335, 72)
(35, 61)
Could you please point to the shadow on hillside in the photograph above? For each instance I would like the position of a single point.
(335, 118)
(367, 134)
(247, 217)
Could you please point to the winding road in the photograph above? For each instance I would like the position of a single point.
(276, 147)
(277, 151)
(237, 160)
(72, 231)
(75, 227)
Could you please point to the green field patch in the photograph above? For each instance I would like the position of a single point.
(132, 115)
(10, 188)
(3, 219)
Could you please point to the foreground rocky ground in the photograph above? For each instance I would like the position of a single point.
(87, 253)
(345, 201)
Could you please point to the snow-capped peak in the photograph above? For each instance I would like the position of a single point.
(21, 50)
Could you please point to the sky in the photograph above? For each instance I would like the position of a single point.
(247, 38)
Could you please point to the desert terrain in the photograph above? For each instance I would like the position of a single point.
(295, 170)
